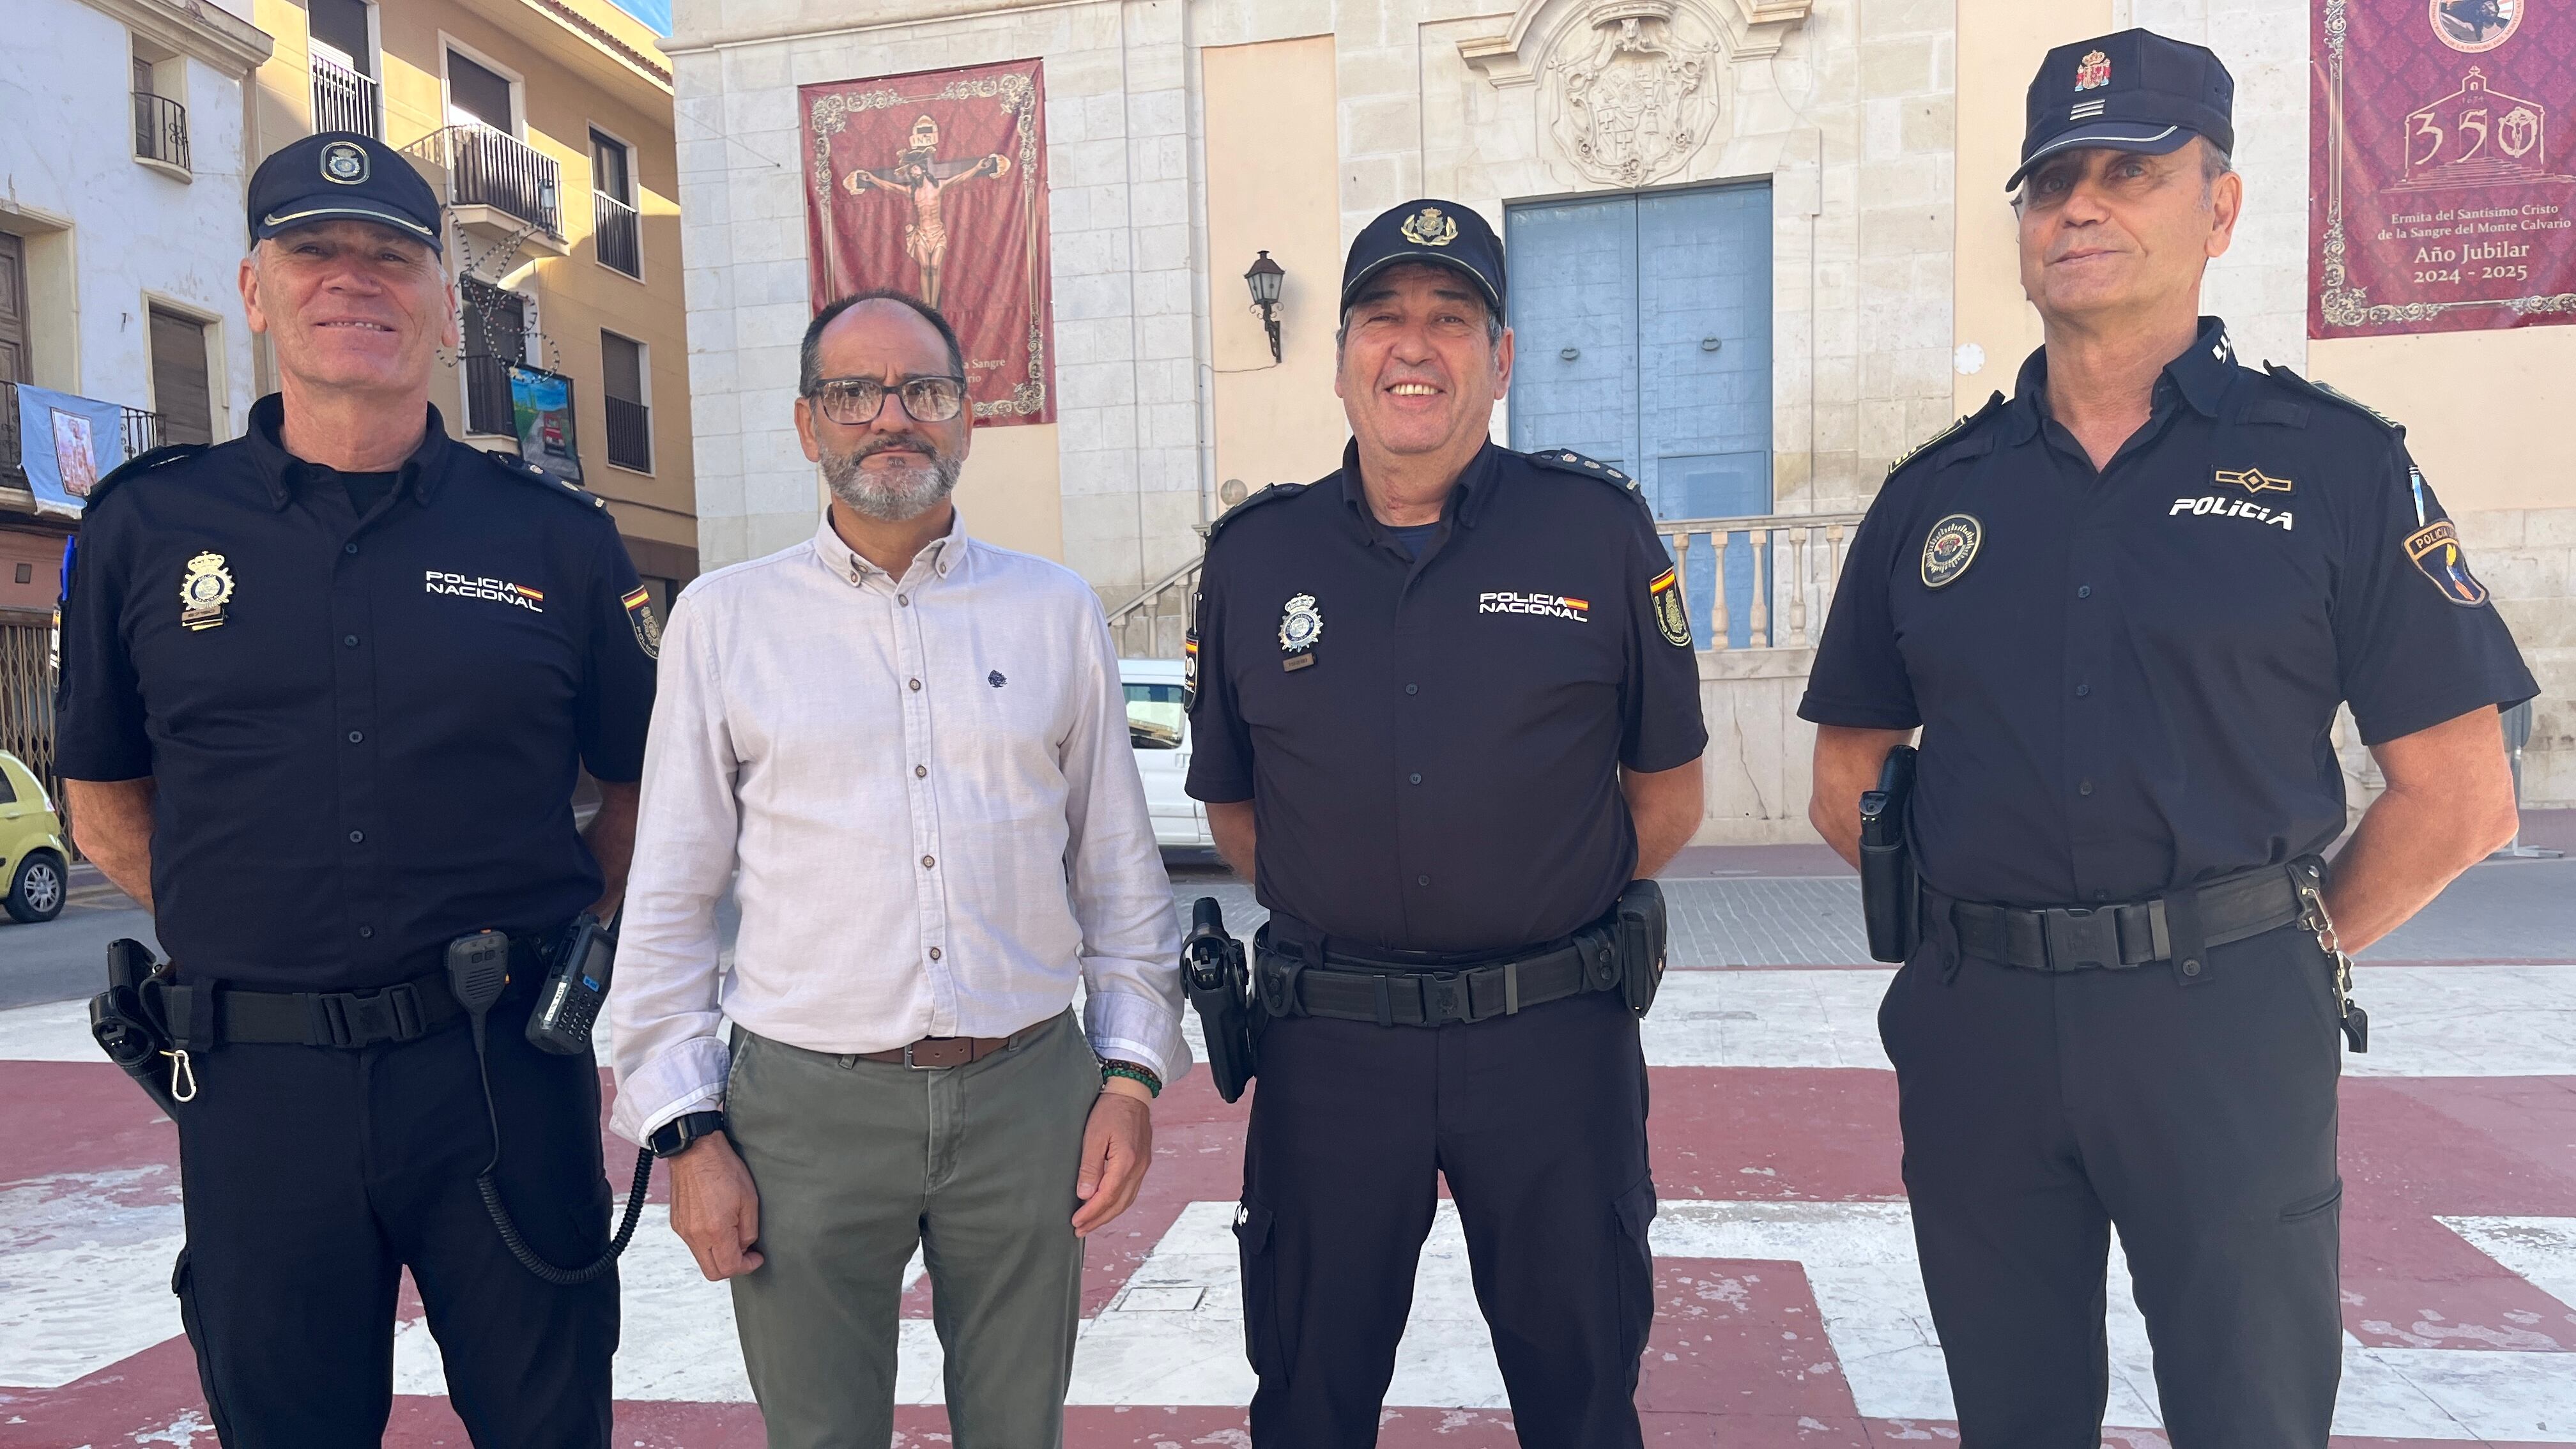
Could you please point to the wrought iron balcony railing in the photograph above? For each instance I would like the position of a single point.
(160, 130)
(619, 234)
(491, 168)
(630, 434)
(344, 100)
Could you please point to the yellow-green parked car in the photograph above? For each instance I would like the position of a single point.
(33, 860)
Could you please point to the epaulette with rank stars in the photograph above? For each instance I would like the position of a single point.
(1566, 460)
(1259, 496)
(2330, 393)
(1993, 405)
(141, 464)
(524, 471)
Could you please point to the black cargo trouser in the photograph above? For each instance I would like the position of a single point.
(314, 1175)
(1538, 1121)
(2041, 1109)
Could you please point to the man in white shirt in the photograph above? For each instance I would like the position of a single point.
(911, 745)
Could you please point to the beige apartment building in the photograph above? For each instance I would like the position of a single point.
(546, 127)
(1759, 248)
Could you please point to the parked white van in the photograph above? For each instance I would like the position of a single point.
(1158, 726)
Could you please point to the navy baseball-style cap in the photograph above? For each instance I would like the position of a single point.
(1425, 230)
(2134, 91)
(342, 175)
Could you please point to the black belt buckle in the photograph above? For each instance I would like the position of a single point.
(2080, 936)
(1445, 997)
(363, 1018)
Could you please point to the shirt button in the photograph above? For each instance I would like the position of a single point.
(927, 862)
(1417, 779)
(934, 953)
(2084, 591)
(1413, 689)
(2101, 895)
(351, 640)
(903, 601)
(366, 933)
(1422, 880)
(357, 837)
(356, 736)
(916, 686)
(349, 548)
(2084, 787)
(2082, 690)
(921, 772)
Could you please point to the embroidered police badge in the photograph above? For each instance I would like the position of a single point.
(1950, 548)
(344, 162)
(205, 590)
(1301, 624)
(1428, 228)
(1672, 619)
(639, 617)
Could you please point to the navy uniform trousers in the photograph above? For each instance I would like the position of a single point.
(1538, 1121)
(313, 1175)
(2197, 1115)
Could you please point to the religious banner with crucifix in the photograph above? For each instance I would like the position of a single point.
(935, 184)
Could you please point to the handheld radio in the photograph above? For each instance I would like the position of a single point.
(569, 1001)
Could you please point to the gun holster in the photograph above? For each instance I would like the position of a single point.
(128, 1020)
(1890, 890)
(1639, 927)
(1220, 988)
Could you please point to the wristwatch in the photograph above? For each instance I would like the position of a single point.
(673, 1137)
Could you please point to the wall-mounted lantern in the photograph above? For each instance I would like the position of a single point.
(1264, 279)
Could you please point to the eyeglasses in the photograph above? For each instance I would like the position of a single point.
(853, 401)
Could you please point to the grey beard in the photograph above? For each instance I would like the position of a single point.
(891, 495)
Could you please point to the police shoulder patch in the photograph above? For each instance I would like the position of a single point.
(2313, 388)
(142, 463)
(1259, 497)
(1566, 460)
(1958, 429)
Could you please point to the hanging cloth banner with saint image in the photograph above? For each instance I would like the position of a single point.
(2442, 153)
(934, 184)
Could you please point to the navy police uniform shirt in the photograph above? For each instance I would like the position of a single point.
(2126, 680)
(1431, 744)
(364, 732)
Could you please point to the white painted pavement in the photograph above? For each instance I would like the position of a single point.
(2425, 1021)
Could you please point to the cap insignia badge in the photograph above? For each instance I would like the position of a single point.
(1428, 228)
(2252, 480)
(1950, 548)
(2093, 72)
(204, 592)
(344, 162)
(1301, 624)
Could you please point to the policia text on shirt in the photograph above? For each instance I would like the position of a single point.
(2123, 1002)
(326, 692)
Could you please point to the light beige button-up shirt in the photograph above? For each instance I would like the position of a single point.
(926, 787)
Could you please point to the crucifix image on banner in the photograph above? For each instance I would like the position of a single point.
(934, 184)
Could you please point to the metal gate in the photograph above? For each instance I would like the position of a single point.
(27, 692)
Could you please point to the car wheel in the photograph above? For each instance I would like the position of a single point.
(37, 894)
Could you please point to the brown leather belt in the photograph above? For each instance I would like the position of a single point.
(932, 1053)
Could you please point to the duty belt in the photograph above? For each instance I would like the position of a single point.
(206, 1016)
(1398, 993)
(2132, 933)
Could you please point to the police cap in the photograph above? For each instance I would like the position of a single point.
(2134, 91)
(1439, 232)
(342, 175)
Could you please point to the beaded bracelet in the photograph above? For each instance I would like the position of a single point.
(1143, 1075)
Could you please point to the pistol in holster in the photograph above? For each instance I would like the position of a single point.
(1220, 988)
(129, 1020)
(1639, 927)
(1890, 891)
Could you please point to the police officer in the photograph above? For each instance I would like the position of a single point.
(1446, 709)
(2122, 608)
(327, 690)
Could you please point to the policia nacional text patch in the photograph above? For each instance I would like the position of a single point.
(1950, 548)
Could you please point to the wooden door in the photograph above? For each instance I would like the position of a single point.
(179, 391)
(13, 308)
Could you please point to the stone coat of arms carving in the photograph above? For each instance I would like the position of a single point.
(1629, 98)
